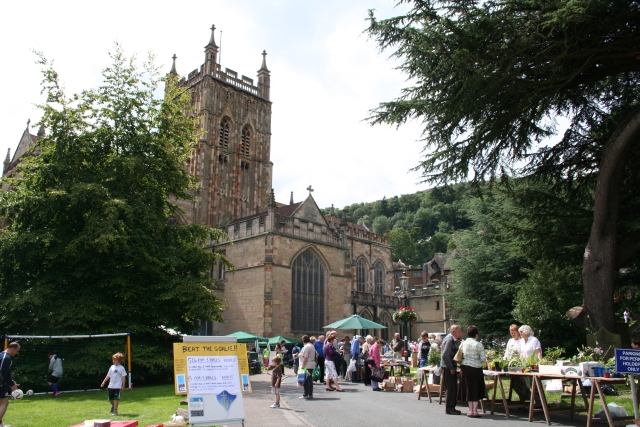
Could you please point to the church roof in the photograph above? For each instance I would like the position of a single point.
(281, 209)
(27, 140)
(287, 210)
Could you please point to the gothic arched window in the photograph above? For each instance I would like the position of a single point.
(307, 293)
(379, 278)
(245, 142)
(361, 275)
(223, 134)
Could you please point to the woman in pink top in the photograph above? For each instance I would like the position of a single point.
(375, 359)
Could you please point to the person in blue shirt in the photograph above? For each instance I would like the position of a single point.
(319, 345)
(355, 352)
(296, 362)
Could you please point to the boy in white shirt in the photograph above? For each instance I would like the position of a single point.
(116, 377)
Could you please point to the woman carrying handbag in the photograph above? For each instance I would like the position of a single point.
(377, 372)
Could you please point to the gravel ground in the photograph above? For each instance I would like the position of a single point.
(359, 406)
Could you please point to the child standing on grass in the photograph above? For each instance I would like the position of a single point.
(276, 379)
(116, 377)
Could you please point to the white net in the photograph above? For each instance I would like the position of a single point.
(85, 359)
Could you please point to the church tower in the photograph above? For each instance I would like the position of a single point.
(232, 158)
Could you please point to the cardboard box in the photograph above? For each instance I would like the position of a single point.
(405, 387)
(550, 369)
(434, 388)
(388, 385)
(397, 380)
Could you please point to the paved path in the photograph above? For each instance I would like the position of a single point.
(359, 406)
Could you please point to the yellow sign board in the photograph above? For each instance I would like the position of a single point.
(183, 350)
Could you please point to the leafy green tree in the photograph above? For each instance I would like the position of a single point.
(543, 298)
(486, 274)
(380, 225)
(403, 246)
(491, 81)
(90, 243)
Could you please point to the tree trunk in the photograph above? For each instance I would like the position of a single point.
(599, 266)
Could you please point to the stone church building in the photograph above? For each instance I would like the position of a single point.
(296, 269)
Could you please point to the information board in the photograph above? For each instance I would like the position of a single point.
(627, 361)
(214, 390)
(213, 374)
(185, 350)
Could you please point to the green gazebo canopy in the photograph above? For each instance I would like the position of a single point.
(245, 337)
(277, 339)
(354, 322)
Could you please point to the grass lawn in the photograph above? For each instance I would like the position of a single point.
(148, 405)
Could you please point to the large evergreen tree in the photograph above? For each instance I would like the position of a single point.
(491, 79)
(90, 242)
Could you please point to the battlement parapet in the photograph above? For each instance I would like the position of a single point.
(230, 77)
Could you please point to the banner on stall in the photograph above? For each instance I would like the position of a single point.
(218, 353)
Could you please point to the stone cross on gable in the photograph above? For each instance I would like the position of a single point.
(310, 190)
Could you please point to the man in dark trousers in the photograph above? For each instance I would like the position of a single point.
(449, 368)
(7, 384)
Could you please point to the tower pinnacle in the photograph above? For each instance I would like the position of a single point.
(264, 62)
(211, 53)
(272, 199)
(173, 66)
(212, 40)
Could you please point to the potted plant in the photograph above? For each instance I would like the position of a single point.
(490, 356)
(551, 355)
(610, 367)
(590, 357)
(515, 365)
(434, 358)
(405, 314)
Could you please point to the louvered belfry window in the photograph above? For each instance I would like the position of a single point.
(245, 143)
(379, 276)
(223, 134)
(361, 277)
(307, 293)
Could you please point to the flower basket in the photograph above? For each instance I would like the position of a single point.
(405, 314)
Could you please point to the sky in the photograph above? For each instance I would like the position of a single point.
(325, 77)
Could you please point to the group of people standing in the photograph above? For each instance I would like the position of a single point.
(470, 356)
(332, 357)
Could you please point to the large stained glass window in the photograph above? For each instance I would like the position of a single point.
(307, 293)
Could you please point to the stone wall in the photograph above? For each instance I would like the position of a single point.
(244, 290)
(337, 284)
(430, 318)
